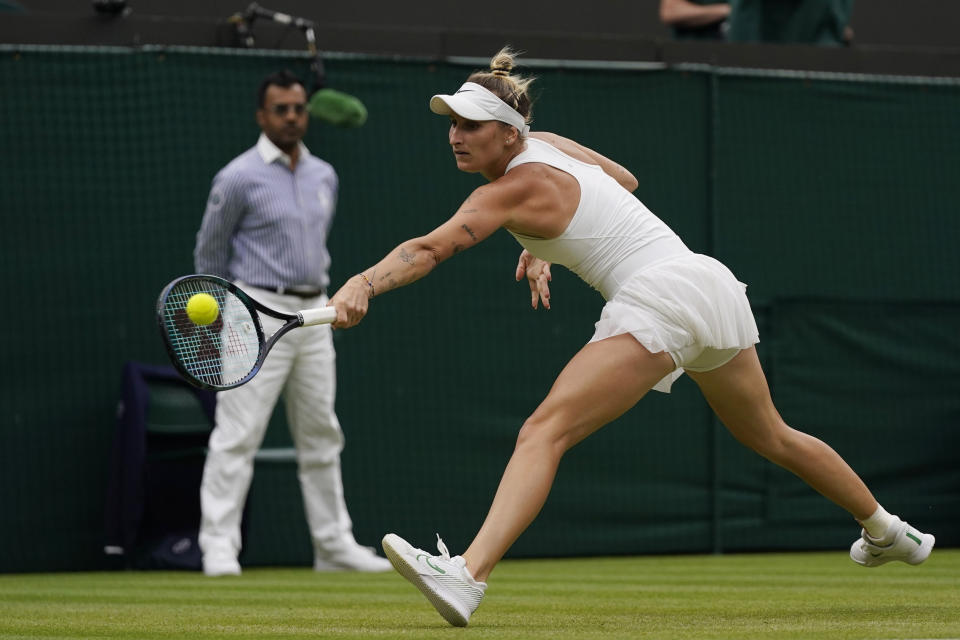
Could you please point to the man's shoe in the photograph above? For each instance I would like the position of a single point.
(220, 563)
(445, 581)
(902, 542)
(347, 555)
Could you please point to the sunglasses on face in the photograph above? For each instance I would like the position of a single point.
(282, 109)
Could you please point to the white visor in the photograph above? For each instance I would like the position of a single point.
(474, 102)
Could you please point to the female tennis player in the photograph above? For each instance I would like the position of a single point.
(668, 311)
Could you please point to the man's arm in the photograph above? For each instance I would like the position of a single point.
(211, 254)
(683, 13)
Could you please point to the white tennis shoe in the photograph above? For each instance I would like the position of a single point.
(219, 562)
(905, 544)
(445, 581)
(346, 554)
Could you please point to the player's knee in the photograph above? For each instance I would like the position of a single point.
(779, 445)
(538, 432)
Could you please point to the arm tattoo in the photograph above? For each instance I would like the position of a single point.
(470, 231)
(409, 258)
(457, 248)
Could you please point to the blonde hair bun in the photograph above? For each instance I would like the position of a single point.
(500, 80)
(502, 63)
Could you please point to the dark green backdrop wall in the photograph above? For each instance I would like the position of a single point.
(833, 198)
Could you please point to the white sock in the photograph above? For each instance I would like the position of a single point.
(877, 524)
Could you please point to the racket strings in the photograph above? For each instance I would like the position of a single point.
(221, 353)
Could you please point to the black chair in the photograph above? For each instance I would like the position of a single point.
(153, 497)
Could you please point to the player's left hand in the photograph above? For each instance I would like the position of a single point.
(538, 276)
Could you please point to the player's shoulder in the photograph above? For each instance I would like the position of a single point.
(519, 185)
(524, 177)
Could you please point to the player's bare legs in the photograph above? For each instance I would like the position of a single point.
(739, 395)
(601, 382)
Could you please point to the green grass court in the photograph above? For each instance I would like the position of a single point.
(787, 595)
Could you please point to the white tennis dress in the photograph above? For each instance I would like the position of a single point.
(668, 297)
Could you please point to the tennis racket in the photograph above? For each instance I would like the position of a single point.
(228, 351)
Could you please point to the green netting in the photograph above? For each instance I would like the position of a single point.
(850, 186)
(811, 188)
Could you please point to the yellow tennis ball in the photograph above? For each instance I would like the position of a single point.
(202, 308)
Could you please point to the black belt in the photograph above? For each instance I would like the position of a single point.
(300, 292)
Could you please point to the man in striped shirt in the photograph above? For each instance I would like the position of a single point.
(265, 227)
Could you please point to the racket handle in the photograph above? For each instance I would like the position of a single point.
(322, 315)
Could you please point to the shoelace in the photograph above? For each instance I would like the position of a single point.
(442, 548)
(466, 576)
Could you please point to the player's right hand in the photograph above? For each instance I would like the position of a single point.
(352, 302)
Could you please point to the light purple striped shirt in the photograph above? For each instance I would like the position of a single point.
(267, 225)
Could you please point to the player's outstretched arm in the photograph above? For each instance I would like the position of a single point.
(482, 213)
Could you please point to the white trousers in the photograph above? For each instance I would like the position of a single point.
(301, 367)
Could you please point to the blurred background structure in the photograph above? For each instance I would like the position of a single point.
(825, 177)
(889, 36)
